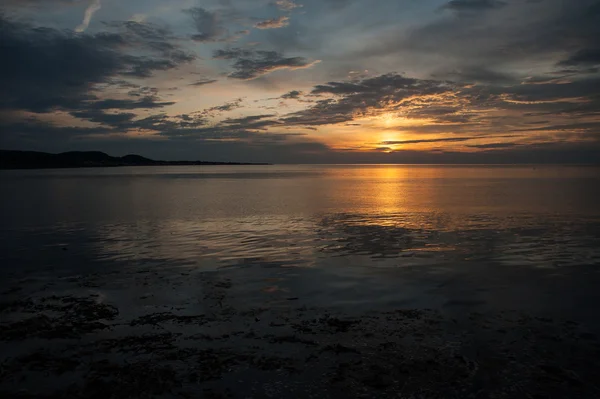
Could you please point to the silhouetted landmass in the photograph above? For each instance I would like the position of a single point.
(87, 159)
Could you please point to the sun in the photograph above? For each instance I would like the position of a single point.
(389, 136)
(389, 139)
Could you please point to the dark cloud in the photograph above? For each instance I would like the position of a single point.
(592, 127)
(100, 116)
(164, 124)
(30, 3)
(476, 74)
(228, 106)
(273, 23)
(147, 102)
(219, 132)
(203, 82)
(250, 64)
(207, 25)
(473, 5)
(355, 98)
(493, 145)
(324, 112)
(140, 91)
(34, 134)
(44, 69)
(583, 57)
(391, 87)
(294, 94)
(144, 67)
(572, 27)
(149, 33)
(247, 119)
(443, 140)
(553, 91)
(252, 123)
(495, 47)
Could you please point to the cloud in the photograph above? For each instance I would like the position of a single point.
(203, 82)
(585, 89)
(352, 99)
(145, 32)
(286, 5)
(167, 125)
(207, 25)
(100, 116)
(493, 145)
(247, 119)
(473, 5)
(473, 70)
(443, 140)
(591, 127)
(94, 6)
(37, 3)
(252, 122)
(228, 106)
(273, 23)
(145, 67)
(388, 87)
(44, 69)
(250, 64)
(199, 127)
(482, 111)
(512, 42)
(292, 95)
(147, 102)
(585, 57)
(192, 137)
(32, 134)
(476, 74)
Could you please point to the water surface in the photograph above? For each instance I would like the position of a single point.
(453, 238)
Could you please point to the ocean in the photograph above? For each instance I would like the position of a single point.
(352, 239)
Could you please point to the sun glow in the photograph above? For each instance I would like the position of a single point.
(388, 119)
(386, 139)
(389, 136)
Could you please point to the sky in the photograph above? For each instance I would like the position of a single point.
(304, 81)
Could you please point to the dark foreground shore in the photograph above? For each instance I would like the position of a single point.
(77, 337)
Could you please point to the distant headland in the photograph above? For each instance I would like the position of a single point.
(88, 159)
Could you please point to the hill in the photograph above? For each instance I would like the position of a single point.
(87, 159)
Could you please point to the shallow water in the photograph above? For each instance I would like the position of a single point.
(454, 238)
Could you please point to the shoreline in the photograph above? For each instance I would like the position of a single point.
(134, 166)
(31, 160)
(74, 338)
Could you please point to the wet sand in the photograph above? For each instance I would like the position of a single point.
(83, 336)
